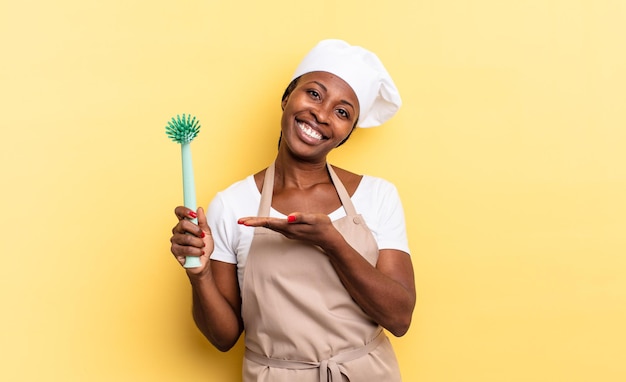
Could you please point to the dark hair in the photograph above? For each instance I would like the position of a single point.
(292, 85)
(290, 88)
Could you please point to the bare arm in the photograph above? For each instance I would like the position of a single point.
(385, 292)
(215, 290)
(217, 306)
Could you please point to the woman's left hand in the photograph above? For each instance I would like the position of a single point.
(316, 229)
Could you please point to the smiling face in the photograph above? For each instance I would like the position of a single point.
(318, 115)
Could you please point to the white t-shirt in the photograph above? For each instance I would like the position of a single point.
(376, 199)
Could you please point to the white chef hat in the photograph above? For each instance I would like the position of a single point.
(378, 96)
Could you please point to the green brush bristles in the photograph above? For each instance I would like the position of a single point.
(182, 130)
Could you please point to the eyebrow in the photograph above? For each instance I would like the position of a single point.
(342, 101)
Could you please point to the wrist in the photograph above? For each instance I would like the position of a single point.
(334, 244)
(200, 276)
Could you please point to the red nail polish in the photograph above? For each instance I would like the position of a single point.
(193, 214)
(291, 219)
(202, 234)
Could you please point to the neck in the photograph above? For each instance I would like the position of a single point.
(292, 173)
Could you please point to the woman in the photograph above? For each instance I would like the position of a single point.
(311, 260)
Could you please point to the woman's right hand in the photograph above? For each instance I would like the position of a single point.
(189, 239)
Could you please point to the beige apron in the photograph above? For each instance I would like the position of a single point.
(300, 323)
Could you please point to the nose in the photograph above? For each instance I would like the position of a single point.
(322, 112)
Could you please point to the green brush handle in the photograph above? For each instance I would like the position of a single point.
(189, 194)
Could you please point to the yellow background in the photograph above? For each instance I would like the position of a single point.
(509, 154)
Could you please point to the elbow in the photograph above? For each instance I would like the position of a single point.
(221, 341)
(400, 326)
(222, 344)
(223, 347)
(224, 339)
(399, 323)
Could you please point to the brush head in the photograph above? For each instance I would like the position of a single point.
(182, 129)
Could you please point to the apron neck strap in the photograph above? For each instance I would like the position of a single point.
(341, 191)
(268, 191)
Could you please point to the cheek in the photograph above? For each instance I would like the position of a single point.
(285, 120)
(345, 138)
(348, 126)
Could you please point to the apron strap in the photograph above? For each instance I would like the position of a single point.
(329, 369)
(267, 191)
(341, 191)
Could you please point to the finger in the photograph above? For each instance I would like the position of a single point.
(186, 226)
(293, 217)
(202, 222)
(182, 251)
(187, 240)
(308, 219)
(247, 221)
(266, 222)
(183, 212)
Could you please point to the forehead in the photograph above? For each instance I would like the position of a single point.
(331, 82)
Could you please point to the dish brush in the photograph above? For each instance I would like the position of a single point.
(183, 130)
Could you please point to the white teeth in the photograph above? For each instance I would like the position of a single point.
(306, 129)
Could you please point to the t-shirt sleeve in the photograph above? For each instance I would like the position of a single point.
(390, 226)
(221, 219)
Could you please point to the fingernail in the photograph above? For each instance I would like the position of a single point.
(202, 234)
(193, 214)
(291, 219)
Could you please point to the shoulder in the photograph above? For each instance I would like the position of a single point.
(378, 201)
(377, 190)
(237, 199)
(243, 187)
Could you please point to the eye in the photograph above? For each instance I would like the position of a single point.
(343, 113)
(314, 94)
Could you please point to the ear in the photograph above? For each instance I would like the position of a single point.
(283, 103)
